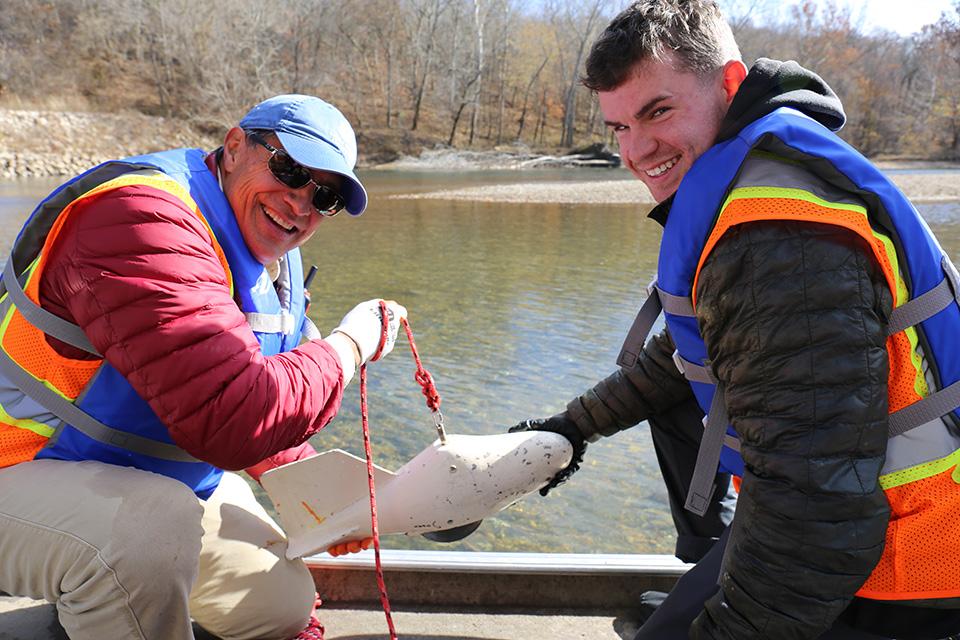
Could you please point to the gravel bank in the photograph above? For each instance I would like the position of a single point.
(919, 187)
(64, 143)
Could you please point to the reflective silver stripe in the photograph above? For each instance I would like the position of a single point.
(693, 372)
(42, 319)
(914, 311)
(282, 322)
(934, 406)
(762, 170)
(82, 421)
(703, 482)
(928, 442)
(310, 330)
(20, 406)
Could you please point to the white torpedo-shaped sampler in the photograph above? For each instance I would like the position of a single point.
(323, 500)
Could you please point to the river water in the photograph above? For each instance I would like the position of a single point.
(516, 308)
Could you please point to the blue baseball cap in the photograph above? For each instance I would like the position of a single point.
(316, 135)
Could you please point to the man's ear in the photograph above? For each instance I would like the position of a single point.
(232, 144)
(733, 74)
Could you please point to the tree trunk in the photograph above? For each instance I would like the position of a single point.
(478, 22)
(526, 97)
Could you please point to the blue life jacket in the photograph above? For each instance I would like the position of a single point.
(132, 434)
(921, 471)
(925, 268)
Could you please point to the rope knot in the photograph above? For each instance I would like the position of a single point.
(428, 388)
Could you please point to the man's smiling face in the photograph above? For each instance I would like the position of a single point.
(273, 218)
(664, 118)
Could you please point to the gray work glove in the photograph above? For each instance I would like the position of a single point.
(566, 427)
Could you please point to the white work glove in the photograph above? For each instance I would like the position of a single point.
(364, 325)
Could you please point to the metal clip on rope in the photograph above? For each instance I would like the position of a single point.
(425, 380)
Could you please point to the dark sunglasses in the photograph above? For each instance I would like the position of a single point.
(326, 200)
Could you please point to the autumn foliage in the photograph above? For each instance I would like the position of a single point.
(474, 73)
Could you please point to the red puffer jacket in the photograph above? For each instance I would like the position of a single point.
(137, 271)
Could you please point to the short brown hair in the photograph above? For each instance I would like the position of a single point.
(693, 31)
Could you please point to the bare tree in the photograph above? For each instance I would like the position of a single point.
(431, 63)
(426, 19)
(479, 20)
(575, 25)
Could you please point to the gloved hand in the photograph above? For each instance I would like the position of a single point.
(566, 427)
(363, 325)
(351, 546)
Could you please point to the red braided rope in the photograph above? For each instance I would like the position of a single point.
(422, 376)
(381, 584)
(429, 389)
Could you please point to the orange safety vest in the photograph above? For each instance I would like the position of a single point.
(920, 476)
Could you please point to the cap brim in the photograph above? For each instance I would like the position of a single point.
(321, 156)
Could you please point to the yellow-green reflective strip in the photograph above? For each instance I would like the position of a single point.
(3, 332)
(919, 472)
(6, 322)
(38, 428)
(23, 423)
(793, 194)
(919, 380)
(901, 295)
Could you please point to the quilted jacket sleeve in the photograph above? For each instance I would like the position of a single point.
(627, 396)
(137, 271)
(794, 319)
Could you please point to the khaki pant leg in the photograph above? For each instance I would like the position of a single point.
(114, 548)
(246, 588)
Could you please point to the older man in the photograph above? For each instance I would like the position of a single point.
(153, 313)
(815, 319)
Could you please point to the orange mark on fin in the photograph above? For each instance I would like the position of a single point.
(312, 512)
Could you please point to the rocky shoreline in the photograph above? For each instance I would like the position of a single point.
(46, 143)
(919, 187)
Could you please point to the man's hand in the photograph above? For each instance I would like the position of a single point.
(364, 325)
(351, 546)
(566, 427)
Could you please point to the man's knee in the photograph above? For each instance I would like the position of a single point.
(288, 600)
(273, 604)
(157, 536)
(246, 587)
(115, 547)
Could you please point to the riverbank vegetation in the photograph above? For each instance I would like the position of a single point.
(416, 73)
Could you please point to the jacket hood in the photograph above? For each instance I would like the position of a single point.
(772, 84)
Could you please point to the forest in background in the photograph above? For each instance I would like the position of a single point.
(467, 73)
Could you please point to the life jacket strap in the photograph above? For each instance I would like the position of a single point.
(693, 372)
(731, 442)
(914, 311)
(283, 322)
(657, 301)
(82, 421)
(42, 319)
(703, 483)
(309, 331)
(933, 407)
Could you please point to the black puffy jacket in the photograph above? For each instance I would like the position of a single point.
(794, 319)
